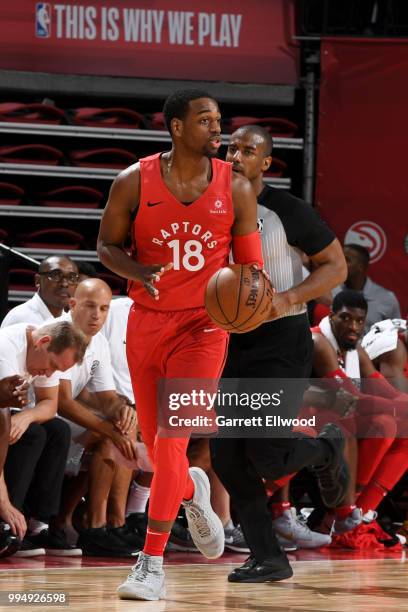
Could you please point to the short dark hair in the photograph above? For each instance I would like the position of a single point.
(262, 132)
(43, 267)
(349, 299)
(65, 335)
(361, 251)
(176, 105)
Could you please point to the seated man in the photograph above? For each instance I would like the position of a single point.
(34, 474)
(114, 330)
(381, 302)
(380, 408)
(55, 281)
(13, 392)
(103, 424)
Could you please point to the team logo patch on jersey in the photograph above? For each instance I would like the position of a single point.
(94, 365)
(260, 223)
(43, 20)
(218, 207)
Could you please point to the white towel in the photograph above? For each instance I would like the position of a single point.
(351, 360)
(383, 337)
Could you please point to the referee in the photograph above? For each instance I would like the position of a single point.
(279, 349)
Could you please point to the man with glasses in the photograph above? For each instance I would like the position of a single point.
(55, 281)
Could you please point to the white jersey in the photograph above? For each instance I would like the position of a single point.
(383, 337)
(95, 371)
(33, 311)
(13, 355)
(114, 331)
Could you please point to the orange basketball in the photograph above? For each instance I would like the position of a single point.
(238, 298)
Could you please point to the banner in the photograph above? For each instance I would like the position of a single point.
(362, 179)
(168, 39)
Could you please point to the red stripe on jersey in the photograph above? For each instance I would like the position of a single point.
(196, 238)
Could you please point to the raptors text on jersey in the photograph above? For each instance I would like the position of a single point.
(196, 237)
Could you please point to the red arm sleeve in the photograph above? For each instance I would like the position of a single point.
(247, 249)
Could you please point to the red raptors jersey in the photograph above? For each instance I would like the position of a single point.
(196, 237)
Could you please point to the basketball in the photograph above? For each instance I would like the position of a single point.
(238, 298)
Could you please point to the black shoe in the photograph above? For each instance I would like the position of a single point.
(137, 521)
(333, 477)
(28, 549)
(54, 543)
(270, 570)
(249, 564)
(101, 542)
(9, 543)
(132, 539)
(180, 539)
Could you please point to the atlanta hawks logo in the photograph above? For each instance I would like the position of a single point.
(369, 235)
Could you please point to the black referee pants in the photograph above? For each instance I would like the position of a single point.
(34, 468)
(281, 349)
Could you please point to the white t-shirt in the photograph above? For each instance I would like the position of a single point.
(33, 311)
(95, 371)
(114, 331)
(13, 355)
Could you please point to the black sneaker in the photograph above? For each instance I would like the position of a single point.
(270, 570)
(333, 477)
(54, 543)
(235, 541)
(28, 549)
(137, 521)
(131, 538)
(101, 542)
(180, 539)
(9, 543)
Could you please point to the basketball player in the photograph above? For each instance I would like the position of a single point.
(382, 459)
(184, 208)
(280, 348)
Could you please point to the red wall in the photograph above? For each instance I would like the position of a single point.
(362, 162)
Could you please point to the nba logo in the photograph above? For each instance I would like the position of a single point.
(43, 20)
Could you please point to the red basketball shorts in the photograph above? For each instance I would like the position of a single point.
(169, 344)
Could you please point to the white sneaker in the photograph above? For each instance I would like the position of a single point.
(370, 516)
(205, 526)
(349, 523)
(291, 528)
(146, 581)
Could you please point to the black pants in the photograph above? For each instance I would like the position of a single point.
(34, 468)
(281, 349)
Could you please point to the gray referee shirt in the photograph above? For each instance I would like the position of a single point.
(287, 226)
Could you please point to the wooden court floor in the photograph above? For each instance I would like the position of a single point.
(348, 583)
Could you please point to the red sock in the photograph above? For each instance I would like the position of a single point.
(155, 542)
(278, 508)
(386, 476)
(342, 512)
(189, 490)
(371, 497)
(370, 454)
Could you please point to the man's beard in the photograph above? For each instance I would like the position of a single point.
(211, 154)
(348, 346)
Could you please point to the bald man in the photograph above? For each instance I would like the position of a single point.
(55, 282)
(102, 424)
